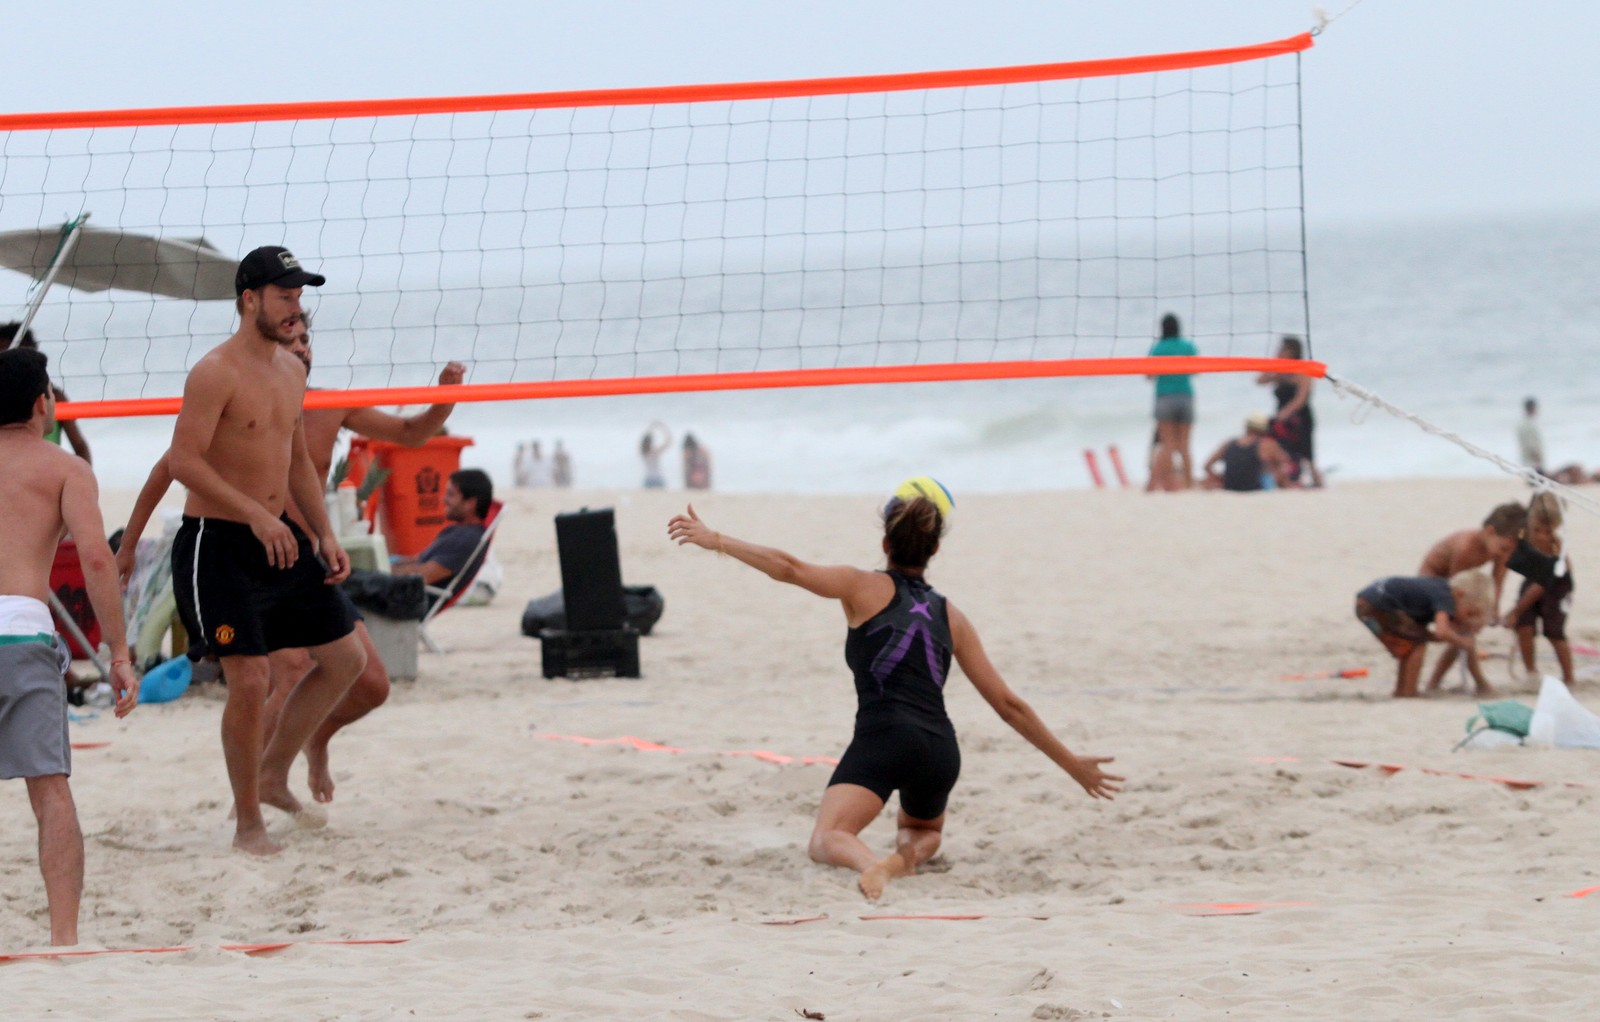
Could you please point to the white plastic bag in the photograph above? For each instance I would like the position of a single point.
(1562, 721)
(485, 585)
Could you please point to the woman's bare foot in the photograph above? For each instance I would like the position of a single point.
(256, 842)
(876, 877)
(872, 881)
(318, 774)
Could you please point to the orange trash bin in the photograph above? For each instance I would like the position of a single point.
(411, 511)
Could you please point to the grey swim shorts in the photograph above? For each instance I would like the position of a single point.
(33, 708)
(1175, 408)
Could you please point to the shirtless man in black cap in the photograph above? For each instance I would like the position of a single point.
(288, 666)
(247, 580)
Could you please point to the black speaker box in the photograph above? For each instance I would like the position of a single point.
(591, 572)
(589, 654)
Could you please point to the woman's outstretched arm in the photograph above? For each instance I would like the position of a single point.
(836, 582)
(1014, 710)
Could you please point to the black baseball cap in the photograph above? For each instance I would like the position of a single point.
(272, 264)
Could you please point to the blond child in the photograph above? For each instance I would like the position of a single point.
(1400, 611)
(1546, 594)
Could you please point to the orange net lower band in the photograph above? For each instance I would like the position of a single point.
(830, 377)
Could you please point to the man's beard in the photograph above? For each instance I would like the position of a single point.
(274, 332)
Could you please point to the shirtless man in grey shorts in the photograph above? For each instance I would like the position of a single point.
(48, 489)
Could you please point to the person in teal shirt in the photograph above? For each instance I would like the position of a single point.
(1171, 467)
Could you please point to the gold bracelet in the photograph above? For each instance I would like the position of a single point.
(116, 662)
(720, 551)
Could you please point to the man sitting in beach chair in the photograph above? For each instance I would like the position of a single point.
(458, 549)
(450, 562)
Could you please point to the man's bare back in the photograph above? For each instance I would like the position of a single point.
(53, 492)
(1459, 551)
(43, 480)
(322, 427)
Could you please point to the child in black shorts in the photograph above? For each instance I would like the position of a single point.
(1546, 594)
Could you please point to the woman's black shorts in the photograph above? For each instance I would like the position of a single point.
(922, 765)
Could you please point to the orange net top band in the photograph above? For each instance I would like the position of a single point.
(536, 390)
(657, 95)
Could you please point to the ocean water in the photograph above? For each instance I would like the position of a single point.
(1454, 320)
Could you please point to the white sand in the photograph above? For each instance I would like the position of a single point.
(538, 879)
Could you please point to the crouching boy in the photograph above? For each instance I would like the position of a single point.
(1405, 614)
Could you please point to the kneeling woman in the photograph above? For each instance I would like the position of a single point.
(902, 634)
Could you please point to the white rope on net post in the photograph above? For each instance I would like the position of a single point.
(1534, 479)
(1323, 19)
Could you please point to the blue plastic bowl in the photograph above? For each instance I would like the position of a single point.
(166, 682)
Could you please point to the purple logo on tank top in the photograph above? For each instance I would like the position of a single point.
(899, 645)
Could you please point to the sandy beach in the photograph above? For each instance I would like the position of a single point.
(533, 876)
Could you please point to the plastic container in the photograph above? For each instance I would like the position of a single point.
(343, 514)
(349, 514)
(66, 580)
(411, 512)
(166, 682)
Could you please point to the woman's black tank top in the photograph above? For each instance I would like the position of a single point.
(900, 658)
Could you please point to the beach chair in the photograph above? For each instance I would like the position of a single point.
(442, 598)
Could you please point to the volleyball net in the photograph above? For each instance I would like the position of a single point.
(999, 222)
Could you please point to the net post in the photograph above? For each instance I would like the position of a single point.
(1300, 161)
(1116, 465)
(1093, 462)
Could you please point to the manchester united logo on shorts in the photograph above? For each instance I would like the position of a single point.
(224, 634)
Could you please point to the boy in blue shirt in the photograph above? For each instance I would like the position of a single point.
(1399, 612)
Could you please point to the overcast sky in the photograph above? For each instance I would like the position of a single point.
(1412, 108)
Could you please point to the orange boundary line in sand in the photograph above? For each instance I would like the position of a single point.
(1344, 672)
(645, 745)
(838, 376)
(1515, 784)
(249, 949)
(1584, 892)
(953, 918)
(1222, 908)
(90, 745)
(659, 95)
(1237, 908)
(925, 917)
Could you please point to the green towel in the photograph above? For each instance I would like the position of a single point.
(1507, 715)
